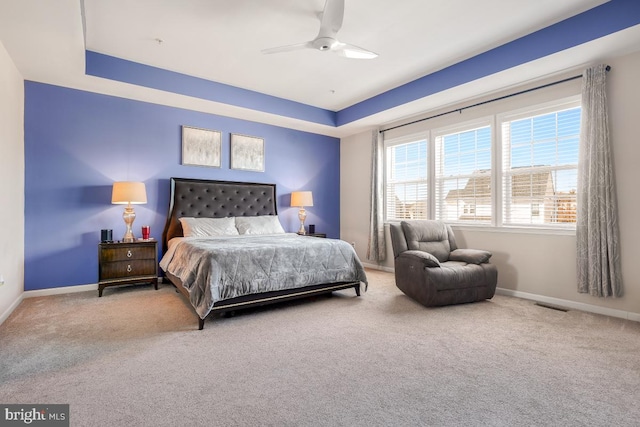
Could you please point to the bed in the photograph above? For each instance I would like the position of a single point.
(219, 272)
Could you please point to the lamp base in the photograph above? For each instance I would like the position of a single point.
(302, 215)
(129, 216)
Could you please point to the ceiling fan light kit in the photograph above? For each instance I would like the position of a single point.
(326, 40)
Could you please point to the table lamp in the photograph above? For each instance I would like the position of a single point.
(301, 199)
(128, 193)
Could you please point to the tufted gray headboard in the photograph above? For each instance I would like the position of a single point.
(200, 198)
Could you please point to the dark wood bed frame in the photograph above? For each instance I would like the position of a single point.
(220, 199)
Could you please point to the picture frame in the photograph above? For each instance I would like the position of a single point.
(247, 153)
(201, 147)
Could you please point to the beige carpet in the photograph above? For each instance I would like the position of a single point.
(135, 358)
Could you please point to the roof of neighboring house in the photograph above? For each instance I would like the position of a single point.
(536, 185)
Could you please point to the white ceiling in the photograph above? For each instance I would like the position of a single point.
(221, 40)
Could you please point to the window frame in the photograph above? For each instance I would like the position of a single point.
(519, 114)
(415, 137)
(494, 120)
(466, 126)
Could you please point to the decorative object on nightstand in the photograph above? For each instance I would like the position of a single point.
(146, 232)
(127, 263)
(106, 236)
(128, 193)
(301, 199)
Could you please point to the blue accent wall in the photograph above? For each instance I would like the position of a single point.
(78, 143)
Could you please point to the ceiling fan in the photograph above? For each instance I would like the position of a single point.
(326, 41)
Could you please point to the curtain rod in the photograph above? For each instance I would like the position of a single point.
(461, 109)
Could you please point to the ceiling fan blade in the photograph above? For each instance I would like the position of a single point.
(352, 51)
(331, 22)
(332, 17)
(287, 48)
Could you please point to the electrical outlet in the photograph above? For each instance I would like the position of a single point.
(353, 244)
(1, 280)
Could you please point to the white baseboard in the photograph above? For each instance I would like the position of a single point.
(590, 308)
(4, 316)
(65, 290)
(61, 290)
(378, 267)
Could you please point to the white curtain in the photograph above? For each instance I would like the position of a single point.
(377, 249)
(597, 232)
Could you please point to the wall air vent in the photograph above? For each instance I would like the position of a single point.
(551, 306)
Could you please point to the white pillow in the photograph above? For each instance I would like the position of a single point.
(206, 227)
(265, 224)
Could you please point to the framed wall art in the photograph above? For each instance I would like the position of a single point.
(201, 147)
(247, 153)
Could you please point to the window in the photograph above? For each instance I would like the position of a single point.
(406, 189)
(535, 209)
(463, 176)
(518, 169)
(540, 168)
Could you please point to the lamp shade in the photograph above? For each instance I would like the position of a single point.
(301, 198)
(128, 192)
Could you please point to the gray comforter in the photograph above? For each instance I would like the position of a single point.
(218, 268)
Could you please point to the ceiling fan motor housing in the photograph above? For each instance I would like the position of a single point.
(324, 43)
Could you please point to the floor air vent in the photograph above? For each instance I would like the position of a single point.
(552, 307)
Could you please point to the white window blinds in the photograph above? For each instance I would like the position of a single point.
(406, 181)
(516, 169)
(539, 162)
(463, 176)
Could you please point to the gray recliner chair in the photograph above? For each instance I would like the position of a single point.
(431, 269)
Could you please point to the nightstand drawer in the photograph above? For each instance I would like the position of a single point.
(124, 269)
(128, 253)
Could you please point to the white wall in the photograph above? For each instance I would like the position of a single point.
(533, 263)
(12, 188)
(355, 176)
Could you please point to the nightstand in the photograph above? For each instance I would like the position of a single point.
(323, 235)
(127, 263)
